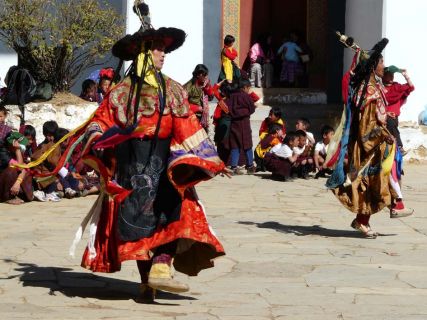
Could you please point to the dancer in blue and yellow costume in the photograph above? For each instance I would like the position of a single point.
(363, 153)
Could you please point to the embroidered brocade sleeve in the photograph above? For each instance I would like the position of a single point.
(193, 156)
(371, 131)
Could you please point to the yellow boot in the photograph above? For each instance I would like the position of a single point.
(160, 278)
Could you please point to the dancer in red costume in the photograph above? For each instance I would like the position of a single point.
(150, 152)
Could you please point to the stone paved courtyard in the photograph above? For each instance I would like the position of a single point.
(291, 254)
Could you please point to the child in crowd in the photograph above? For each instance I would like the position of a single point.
(16, 185)
(320, 151)
(396, 95)
(49, 130)
(47, 187)
(66, 175)
(304, 124)
(303, 151)
(281, 158)
(274, 116)
(241, 106)
(106, 77)
(89, 91)
(229, 69)
(4, 128)
(273, 138)
(29, 132)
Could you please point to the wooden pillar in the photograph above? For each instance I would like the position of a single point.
(317, 39)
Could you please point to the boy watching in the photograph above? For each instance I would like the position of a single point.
(281, 158)
(321, 150)
(304, 124)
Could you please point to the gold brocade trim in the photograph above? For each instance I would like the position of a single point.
(191, 142)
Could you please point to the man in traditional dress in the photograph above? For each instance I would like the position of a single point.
(363, 151)
(150, 152)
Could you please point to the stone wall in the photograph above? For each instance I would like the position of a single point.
(67, 116)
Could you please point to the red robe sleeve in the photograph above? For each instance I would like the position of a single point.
(193, 156)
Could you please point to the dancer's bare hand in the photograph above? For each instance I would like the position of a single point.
(226, 172)
(389, 139)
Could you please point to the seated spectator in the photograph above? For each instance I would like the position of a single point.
(303, 151)
(320, 151)
(16, 184)
(49, 131)
(89, 91)
(274, 116)
(273, 138)
(29, 132)
(47, 186)
(106, 77)
(304, 124)
(68, 179)
(4, 128)
(281, 158)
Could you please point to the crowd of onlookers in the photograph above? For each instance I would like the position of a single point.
(18, 147)
(286, 153)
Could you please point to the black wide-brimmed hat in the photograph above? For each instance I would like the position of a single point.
(130, 46)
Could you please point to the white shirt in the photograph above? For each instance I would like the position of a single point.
(282, 151)
(298, 150)
(321, 148)
(310, 138)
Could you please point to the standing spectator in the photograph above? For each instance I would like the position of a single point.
(396, 95)
(268, 68)
(241, 107)
(229, 69)
(257, 58)
(291, 67)
(200, 92)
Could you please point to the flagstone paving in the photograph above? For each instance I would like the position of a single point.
(291, 254)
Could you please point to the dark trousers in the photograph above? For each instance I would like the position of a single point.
(393, 127)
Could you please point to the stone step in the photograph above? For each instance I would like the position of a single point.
(279, 96)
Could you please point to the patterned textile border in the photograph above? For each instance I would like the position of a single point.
(231, 22)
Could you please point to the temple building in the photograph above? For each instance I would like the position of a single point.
(206, 22)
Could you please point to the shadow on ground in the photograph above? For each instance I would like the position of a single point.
(80, 284)
(307, 230)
